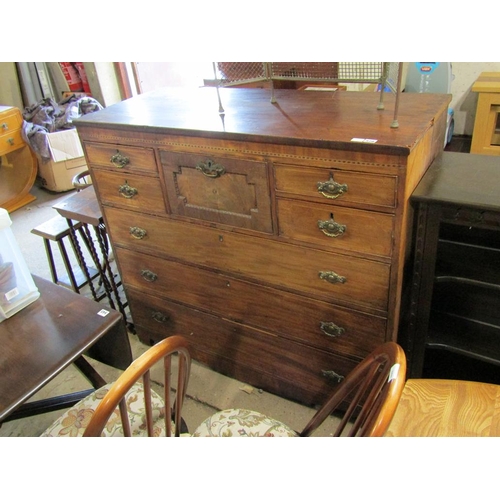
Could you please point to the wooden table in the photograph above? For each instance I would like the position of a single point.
(486, 134)
(45, 337)
(83, 207)
(432, 408)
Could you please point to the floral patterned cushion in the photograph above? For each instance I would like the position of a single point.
(242, 423)
(74, 421)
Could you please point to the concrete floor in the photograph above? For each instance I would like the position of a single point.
(208, 391)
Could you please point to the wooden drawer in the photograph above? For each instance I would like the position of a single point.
(130, 191)
(122, 158)
(307, 271)
(337, 228)
(266, 361)
(319, 324)
(11, 141)
(10, 121)
(337, 186)
(222, 190)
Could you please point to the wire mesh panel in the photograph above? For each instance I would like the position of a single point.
(233, 73)
(362, 72)
(327, 71)
(386, 74)
(393, 76)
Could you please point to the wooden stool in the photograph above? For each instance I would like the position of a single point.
(457, 408)
(56, 229)
(486, 134)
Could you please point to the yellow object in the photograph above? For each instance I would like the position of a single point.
(486, 135)
(18, 164)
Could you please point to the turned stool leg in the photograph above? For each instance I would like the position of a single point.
(57, 229)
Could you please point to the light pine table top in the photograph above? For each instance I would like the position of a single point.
(432, 408)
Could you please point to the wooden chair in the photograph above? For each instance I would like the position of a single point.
(370, 392)
(82, 180)
(129, 407)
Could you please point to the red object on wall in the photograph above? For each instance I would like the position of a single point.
(72, 76)
(83, 76)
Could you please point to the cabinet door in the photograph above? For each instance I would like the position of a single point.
(223, 190)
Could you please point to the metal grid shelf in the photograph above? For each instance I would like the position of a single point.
(386, 74)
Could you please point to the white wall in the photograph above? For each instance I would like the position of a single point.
(10, 92)
(154, 75)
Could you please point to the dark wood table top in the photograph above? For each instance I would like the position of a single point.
(471, 180)
(82, 206)
(45, 337)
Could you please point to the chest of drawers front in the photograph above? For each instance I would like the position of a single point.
(282, 265)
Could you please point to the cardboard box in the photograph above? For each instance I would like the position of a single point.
(67, 160)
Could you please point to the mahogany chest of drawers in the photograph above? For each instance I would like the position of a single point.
(273, 236)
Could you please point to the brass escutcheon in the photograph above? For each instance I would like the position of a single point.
(127, 191)
(331, 228)
(210, 169)
(331, 375)
(331, 189)
(159, 317)
(331, 329)
(331, 277)
(119, 160)
(138, 233)
(149, 275)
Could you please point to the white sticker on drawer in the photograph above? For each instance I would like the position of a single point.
(358, 139)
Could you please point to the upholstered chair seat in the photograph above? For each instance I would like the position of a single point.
(239, 422)
(74, 421)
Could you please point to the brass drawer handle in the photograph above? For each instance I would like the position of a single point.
(331, 375)
(5, 126)
(210, 169)
(149, 275)
(159, 317)
(331, 329)
(331, 228)
(138, 233)
(127, 191)
(10, 140)
(119, 160)
(331, 277)
(331, 189)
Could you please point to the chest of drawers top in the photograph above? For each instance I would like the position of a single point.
(342, 120)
